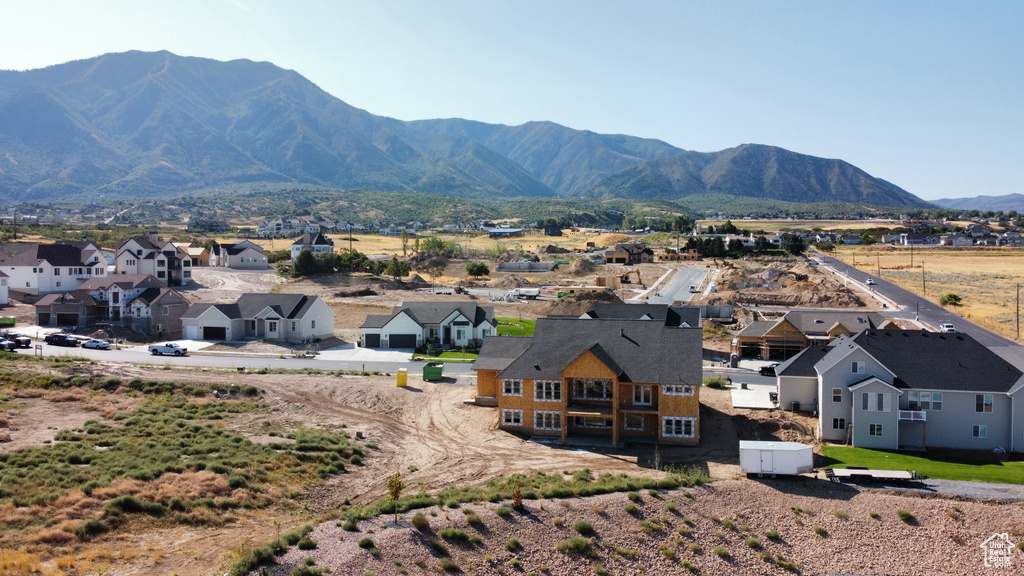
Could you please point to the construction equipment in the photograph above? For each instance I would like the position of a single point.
(625, 278)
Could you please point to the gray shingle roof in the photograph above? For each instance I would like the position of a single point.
(317, 239)
(425, 313)
(803, 363)
(31, 253)
(931, 361)
(497, 352)
(637, 350)
(247, 306)
(757, 328)
(671, 315)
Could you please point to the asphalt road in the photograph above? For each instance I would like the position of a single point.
(910, 306)
(677, 288)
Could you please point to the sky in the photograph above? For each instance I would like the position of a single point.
(928, 95)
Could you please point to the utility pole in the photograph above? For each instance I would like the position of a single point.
(924, 292)
(878, 265)
(911, 255)
(1018, 311)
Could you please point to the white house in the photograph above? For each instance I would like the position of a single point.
(293, 318)
(244, 255)
(3, 288)
(150, 255)
(316, 243)
(35, 268)
(446, 324)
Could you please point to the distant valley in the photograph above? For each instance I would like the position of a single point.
(140, 124)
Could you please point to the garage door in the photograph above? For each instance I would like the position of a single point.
(402, 341)
(67, 319)
(371, 340)
(215, 333)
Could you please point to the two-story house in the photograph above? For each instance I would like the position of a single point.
(629, 254)
(798, 329)
(616, 379)
(244, 255)
(36, 268)
(159, 258)
(890, 389)
(316, 243)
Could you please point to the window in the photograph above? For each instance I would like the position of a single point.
(677, 390)
(634, 422)
(925, 400)
(876, 402)
(293, 326)
(58, 284)
(161, 274)
(512, 387)
(858, 367)
(936, 400)
(979, 431)
(643, 395)
(460, 334)
(253, 325)
(186, 263)
(592, 389)
(161, 263)
(839, 423)
(837, 394)
(165, 310)
(592, 422)
(312, 323)
(678, 427)
(545, 420)
(983, 403)
(511, 417)
(56, 271)
(272, 326)
(875, 430)
(548, 391)
(187, 274)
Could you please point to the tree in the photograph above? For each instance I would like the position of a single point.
(951, 300)
(396, 268)
(304, 264)
(794, 244)
(405, 242)
(477, 269)
(627, 223)
(728, 227)
(395, 486)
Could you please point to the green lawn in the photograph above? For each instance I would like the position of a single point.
(452, 355)
(930, 465)
(514, 327)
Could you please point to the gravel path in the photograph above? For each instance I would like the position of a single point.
(958, 488)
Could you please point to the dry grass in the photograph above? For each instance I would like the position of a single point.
(986, 278)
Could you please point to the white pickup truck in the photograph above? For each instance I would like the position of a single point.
(168, 348)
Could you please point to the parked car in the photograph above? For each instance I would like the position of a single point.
(8, 345)
(947, 328)
(60, 340)
(870, 281)
(768, 370)
(96, 344)
(19, 340)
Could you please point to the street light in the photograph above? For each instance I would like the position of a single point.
(924, 292)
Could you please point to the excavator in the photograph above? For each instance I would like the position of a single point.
(625, 278)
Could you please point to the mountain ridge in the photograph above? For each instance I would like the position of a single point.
(151, 123)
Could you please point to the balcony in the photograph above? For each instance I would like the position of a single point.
(913, 416)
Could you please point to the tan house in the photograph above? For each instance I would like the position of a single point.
(783, 338)
(623, 380)
(629, 254)
(681, 255)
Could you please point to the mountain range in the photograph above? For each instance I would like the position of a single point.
(146, 124)
(1006, 203)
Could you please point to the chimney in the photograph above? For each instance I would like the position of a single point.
(622, 332)
(152, 237)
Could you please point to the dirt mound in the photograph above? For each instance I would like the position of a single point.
(552, 249)
(355, 293)
(581, 268)
(416, 279)
(427, 264)
(511, 281)
(581, 301)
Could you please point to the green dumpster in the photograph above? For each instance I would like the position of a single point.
(433, 371)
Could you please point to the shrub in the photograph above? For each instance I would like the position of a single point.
(752, 542)
(789, 566)
(668, 553)
(694, 548)
(516, 563)
(841, 514)
(356, 459)
(626, 552)
(236, 481)
(633, 496)
(421, 522)
(130, 504)
(583, 527)
(905, 515)
(176, 504)
(599, 569)
(715, 382)
(670, 506)
(728, 524)
(447, 565)
(365, 543)
(874, 515)
(305, 570)
(306, 543)
(722, 552)
(574, 544)
(820, 531)
(438, 546)
(683, 530)
(474, 520)
(689, 565)
(513, 544)
(89, 528)
(503, 511)
(631, 508)
(454, 534)
(771, 534)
